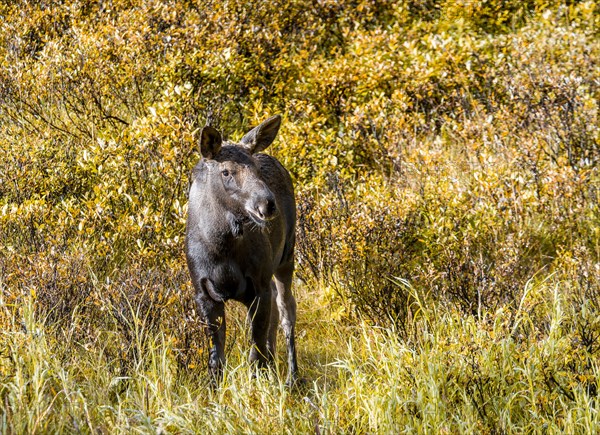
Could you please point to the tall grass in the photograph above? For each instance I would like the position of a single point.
(506, 371)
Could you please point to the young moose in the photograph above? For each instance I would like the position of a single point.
(240, 241)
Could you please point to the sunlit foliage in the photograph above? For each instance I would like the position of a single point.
(445, 156)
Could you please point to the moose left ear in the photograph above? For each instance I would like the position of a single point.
(210, 142)
(261, 136)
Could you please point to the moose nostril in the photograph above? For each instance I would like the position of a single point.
(266, 209)
(270, 207)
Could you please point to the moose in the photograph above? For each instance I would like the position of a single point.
(239, 243)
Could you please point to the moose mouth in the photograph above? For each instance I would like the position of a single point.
(257, 219)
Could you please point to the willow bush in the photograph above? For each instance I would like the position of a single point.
(452, 144)
(445, 157)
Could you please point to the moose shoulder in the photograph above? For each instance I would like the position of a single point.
(240, 241)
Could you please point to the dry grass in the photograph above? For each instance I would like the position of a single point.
(503, 371)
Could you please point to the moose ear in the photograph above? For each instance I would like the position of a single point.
(210, 142)
(261, 136)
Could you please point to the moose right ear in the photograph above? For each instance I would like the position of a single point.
(210, 142)
(262, 135)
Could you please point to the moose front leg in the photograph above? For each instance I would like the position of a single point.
(259, 316)
(213, 316)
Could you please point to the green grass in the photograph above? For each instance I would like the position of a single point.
(501, 372)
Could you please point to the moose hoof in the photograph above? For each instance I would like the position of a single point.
(296, 383)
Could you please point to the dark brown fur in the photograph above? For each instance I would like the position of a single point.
(240, 240)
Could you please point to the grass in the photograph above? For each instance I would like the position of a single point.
(497, 372)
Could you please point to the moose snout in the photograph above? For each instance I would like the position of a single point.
(262, 207)
(266, 208)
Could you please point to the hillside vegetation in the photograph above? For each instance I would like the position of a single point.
(445, 156)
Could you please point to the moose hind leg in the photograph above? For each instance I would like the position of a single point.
(286, 304)
(273, 323)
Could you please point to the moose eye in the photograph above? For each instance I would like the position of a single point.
(225, 173)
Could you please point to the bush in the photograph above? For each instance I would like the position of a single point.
(445, 157)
